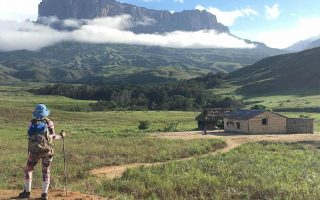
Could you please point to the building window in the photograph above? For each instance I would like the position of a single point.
(238, 125)
(264, 121)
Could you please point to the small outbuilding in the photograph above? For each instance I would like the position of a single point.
(212, 118)
(265, 122)
(300, 125)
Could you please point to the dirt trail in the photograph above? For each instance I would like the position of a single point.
(53, 194)
(113, 172)
(232, 140)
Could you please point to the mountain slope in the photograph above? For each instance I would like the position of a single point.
(315, 43)
(286, 74)
(305, 44)
(112, 63)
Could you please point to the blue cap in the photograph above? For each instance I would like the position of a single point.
(41, 111)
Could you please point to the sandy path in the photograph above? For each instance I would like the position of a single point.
(53, 194)
(113, 172)
(232, 140)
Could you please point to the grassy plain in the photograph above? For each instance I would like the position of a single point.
(18, 104)
(95, 139)
(299, 102)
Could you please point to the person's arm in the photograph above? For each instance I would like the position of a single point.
(29, 127)
(52, 132)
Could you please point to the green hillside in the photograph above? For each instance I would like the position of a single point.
(117, 63)
(296, 73)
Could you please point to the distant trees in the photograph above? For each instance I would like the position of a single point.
(182, 95)
(259, 107)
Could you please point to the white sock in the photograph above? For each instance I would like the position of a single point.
(45, 187)
(27, 185)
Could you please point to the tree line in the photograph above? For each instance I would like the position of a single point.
(184, 95)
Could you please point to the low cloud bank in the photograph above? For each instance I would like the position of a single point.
(31, 36)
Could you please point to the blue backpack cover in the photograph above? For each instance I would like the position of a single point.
(38, 127)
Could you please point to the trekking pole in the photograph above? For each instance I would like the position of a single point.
(65, 166)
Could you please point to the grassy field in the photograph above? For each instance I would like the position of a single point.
(86, 151)
(301, 102)
(94, 139)
(252, 171)
(18, 104)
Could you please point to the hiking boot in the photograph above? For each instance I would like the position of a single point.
(44, 196)
(24, 195)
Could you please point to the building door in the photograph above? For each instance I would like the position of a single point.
(220, 124)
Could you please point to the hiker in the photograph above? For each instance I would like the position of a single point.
(40, 135)
(204, 130)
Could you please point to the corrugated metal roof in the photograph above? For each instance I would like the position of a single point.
(245, 114)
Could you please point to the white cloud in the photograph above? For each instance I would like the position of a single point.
(228, 18)
(19, 10)
(122, 22)
(27, 35)
(30, 36)
(71, 23)
(146, 22)
(303, 29)
(249, 11)
(48, 20)
(179, 1)
(272, 12)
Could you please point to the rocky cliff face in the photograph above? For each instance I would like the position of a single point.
(158, 21)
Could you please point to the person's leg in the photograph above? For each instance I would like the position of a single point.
(46, 165)
(31, 163)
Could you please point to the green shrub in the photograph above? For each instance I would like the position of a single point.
(144, 125)
(304, 116)
(259, 107)
(171, 126)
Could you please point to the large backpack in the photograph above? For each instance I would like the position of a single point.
(39, 143)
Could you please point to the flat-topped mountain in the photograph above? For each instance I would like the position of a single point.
(152, 20)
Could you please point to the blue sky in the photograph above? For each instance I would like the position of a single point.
(255, 19)
(289, 9)
(277, 23)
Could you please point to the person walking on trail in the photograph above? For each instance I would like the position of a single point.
(204, 130)
(41, 133)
